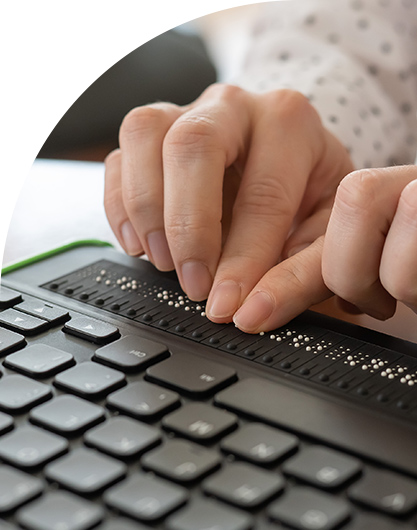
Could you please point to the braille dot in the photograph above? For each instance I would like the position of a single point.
(333, 38)
(342, 100)
(357, 131)
(333, 119)
(376, 111)
(363, 23)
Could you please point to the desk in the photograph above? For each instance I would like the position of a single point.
(63, 201)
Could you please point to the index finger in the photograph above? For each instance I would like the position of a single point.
(197, 149)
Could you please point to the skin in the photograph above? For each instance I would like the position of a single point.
(252, 177)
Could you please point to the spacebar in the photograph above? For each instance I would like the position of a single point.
(354, 430)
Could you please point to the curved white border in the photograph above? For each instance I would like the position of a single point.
(52, 51)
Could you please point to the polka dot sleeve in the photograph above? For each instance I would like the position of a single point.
(357, 63)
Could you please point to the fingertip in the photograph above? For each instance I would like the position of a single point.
(223, 301)
(255, 312)
(196, 280)
(130, 241)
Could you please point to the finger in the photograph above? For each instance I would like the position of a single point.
(113, 205)
(364, 208)
(284, 292)
(309, 230)
(197, 149)
(398, 270)
(283, 151)
(141, 138)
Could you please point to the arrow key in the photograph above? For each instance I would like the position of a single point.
(92, 330)
(21, 322)
(385, 491)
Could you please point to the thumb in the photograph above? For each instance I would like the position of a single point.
(284, 292)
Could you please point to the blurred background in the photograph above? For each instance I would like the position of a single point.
(175, 66)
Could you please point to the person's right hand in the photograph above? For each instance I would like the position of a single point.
(223, 189)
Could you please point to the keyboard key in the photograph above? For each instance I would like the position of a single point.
(85, 471)
(123, 437)
(16, 488)
(304, 509)
(8, 298)
(29, 447)
(143, 400)
(10, 341)
(52, 314)
(191, 375)
(39, 360)
(117, 523)
(145, 497)
(260, 444)
(60, 510)
(323, 467)
(204, 514)
(68, 415)
(131, 353)
(375, 522)
(200, 422)
(386, 492)
(92, 330)
(181, 461)
(90, 380)
(244, 485)
(317, 417)
(18, 393)
(6, 422)
(21, 322)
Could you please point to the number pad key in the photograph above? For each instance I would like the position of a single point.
(205, 514)
(29, 447)
(131, 353)
(200, 422)
(60, 510)
(10, 341)
(181, 461)
(123, 437)
(18, 393)
(244, 485)
(323, 467)
(386, 492)
(16, 488)
(260, 444)
(68, 415)
(304, 508)
(143, 400)
(90, 380)
(39, 360)
(145, 497)
(191, 375)
(85, 471)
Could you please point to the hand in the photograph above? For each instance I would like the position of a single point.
(222, 190)
(370, 248)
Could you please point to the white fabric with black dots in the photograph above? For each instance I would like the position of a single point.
(356, 60)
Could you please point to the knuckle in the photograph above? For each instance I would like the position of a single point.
(113, 158)
(196, 133)
(139, 121)
(190, 224)
(291, 105)
(224, 91)
(265, 196)
(357, 191)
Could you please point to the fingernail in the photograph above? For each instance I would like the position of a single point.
(224, 300)
(254, 312)
(159, 250)
(297, 249)
(131, 241)
(196, 280)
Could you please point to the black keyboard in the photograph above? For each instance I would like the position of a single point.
(123, 407)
